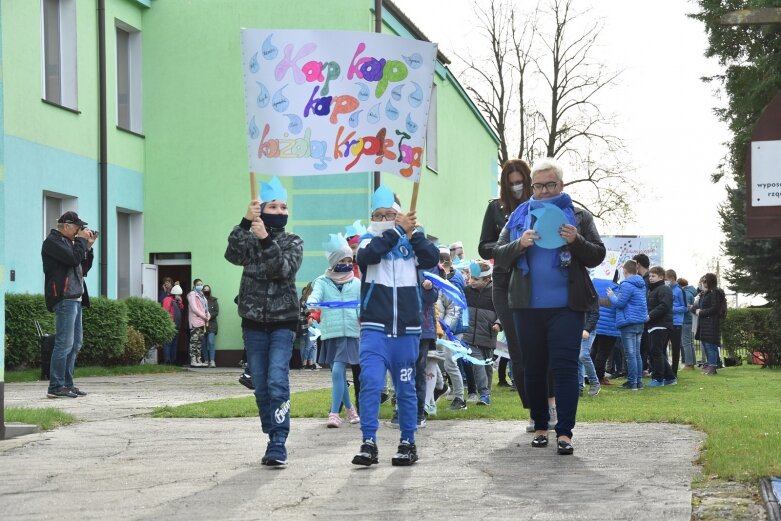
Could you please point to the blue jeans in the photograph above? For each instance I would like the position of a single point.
(630, 338)
(711, 353)
(309, 350)
(169, 352)
(687, 345)
(585, 363)
(67, 343)
(379, 354)
(268, 359)
(551, 339)
(207, 350)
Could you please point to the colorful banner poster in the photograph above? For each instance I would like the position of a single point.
(607, 269)
(630, 245)
(327, 102)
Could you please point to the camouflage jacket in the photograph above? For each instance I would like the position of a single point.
(267, 292)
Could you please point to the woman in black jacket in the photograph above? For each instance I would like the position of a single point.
(709, 314)
(514, 189)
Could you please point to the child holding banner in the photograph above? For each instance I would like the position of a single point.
(389, 257)
(269, 308)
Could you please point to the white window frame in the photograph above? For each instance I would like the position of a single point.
(133, 247)
(67, 203)
(63, 90)
(432, 154)
(132, 69)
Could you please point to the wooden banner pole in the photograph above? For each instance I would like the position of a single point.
(414, 203)
(253, 187)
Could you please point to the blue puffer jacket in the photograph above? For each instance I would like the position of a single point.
(606, 325)
(688, 294)
(630, 302)
(679, 304)
(336, 322)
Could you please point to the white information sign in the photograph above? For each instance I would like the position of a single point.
(766, 173)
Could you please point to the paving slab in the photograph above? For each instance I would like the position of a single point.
(134, 467)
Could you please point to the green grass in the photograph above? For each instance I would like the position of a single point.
(738, 410)
(33, 375)
(47, 418)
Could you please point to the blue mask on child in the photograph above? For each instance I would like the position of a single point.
(343, 268)
(199, 288)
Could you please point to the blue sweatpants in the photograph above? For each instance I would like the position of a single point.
(381, 353)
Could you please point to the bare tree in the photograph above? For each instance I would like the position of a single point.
(540, 86)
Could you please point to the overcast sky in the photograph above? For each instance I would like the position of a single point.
(665, 114)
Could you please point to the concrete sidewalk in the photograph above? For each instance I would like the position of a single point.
(127, 466)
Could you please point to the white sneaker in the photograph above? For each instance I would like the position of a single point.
(472, 398)
(352, 416)
(530, 427)
(212, 364)
(334, 421)
(430, 408)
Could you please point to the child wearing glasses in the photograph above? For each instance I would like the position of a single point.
(389, 256)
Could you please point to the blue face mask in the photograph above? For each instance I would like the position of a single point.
(199, 288)
(343, 268)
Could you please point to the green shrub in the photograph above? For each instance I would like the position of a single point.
(151, 320)
(22, 347)
(105, 332)
(135, 347)
(751, 330)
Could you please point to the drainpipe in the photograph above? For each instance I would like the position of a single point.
(103, 153)
(377, 29)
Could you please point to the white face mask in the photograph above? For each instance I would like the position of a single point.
(517, 191)
(380, 227)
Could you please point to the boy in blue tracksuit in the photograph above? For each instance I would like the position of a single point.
(389, 257)
(631, 314)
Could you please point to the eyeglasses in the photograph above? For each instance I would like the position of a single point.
(537, 187)
(389, 216)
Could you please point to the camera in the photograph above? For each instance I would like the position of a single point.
(95, 233)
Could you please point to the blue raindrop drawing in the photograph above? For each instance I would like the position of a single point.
(374, 114)
(412, 127)
(355, 118)
(363, 91)
(254, 132)
(390, 111)
(416, 98)
(413, 60)
(268, 49)
(253, 64)
(279, 101)
(396, 92)
(295, 125)
(263, 96)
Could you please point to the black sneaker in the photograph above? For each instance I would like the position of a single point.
(440, 392)
(61, 392)
(406, 455)
(457, 404)
(276, 455)
(368, 454)
(77, 392)
(246, 380)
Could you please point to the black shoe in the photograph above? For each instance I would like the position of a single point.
(565, 448)
(406, 455)
(276, 455)
(246, 380)
(384, 397)
(367, 456)
(77, 392)
(540, 441)
(61, 392)
(503, 383)
(440, 392)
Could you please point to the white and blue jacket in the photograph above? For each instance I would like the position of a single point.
(390, 294)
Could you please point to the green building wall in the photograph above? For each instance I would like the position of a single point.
(196, 184)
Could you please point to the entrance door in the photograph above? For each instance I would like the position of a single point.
(149, 283)
(178, 266)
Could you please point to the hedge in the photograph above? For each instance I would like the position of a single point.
(105, 332)
(753, 330)
(22, 346)
(151, 320)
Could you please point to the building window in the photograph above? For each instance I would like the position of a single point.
(130, 253)
(432, 157)
(129, 105)
(58, 28)
(54, 205)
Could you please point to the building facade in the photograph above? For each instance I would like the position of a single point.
(175, 163)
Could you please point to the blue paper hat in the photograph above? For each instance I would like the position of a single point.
(382, 198)
(355, 228)
(272, 191)
(336, 248)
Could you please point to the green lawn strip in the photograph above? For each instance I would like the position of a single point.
(738, 410)
(46, 418)
(33, 375)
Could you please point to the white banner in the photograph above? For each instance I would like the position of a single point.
(326, 102)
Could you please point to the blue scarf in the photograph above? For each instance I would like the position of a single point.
(520, 220)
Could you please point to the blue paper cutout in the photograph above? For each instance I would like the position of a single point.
(550, 218)
(382, 198)
(273, 191)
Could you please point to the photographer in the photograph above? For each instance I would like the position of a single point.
(67, 257)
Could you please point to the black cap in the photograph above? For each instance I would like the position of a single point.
(71, 218)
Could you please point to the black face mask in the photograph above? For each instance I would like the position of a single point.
(207, 293)
(274, 220)
(343, 268)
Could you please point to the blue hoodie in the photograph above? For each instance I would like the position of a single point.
(606, 325)
(630, 302)
(679, 304)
